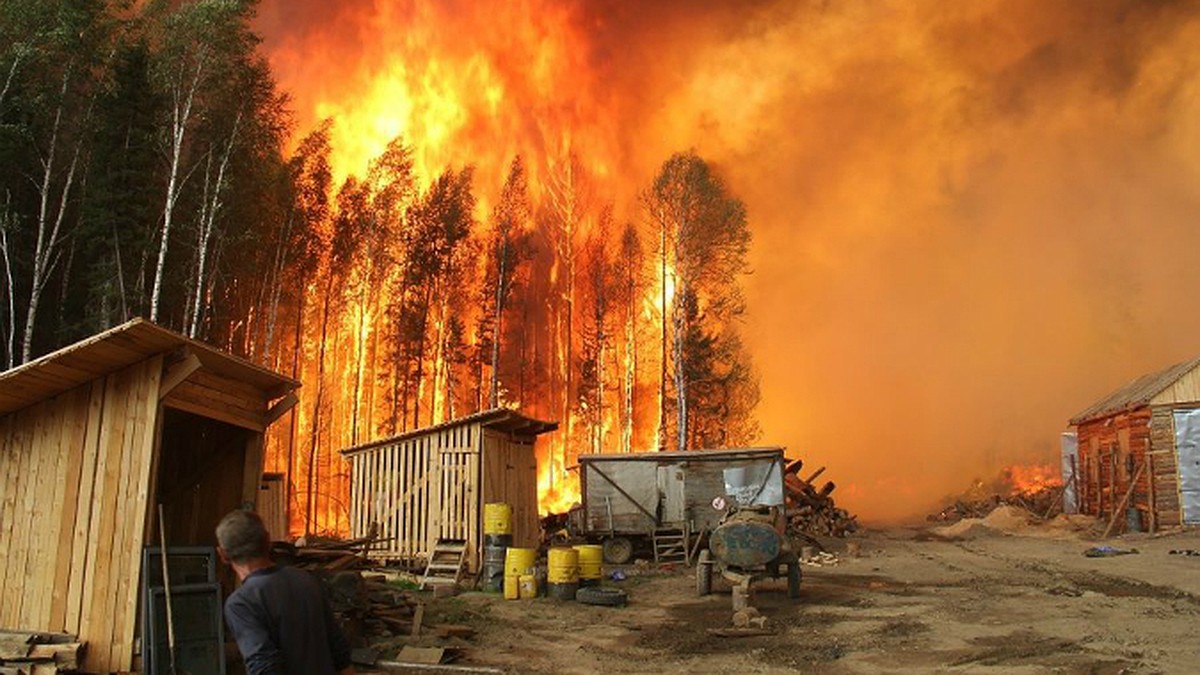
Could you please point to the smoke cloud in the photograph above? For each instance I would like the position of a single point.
(971, 219)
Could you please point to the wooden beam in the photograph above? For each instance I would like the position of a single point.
(177, 373)
(280, 408)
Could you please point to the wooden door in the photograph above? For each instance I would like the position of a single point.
(672, 494)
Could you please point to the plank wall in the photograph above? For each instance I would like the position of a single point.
(1110, 452)
(510, 477)
(1165, 467)
(419, 489)
(74, 484)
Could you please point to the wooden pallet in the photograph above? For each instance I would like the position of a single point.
(445, 564)
(671, 545)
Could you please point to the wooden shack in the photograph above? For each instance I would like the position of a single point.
(1138, 449)
(431, 483)
(92, 438)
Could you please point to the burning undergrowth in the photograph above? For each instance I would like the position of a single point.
(1036, 489)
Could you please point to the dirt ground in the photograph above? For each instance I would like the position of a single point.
(1018, 599)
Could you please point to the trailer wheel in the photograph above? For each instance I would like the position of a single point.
(704, 573)
(793, 578)
(617, 550)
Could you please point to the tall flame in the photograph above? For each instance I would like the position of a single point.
(932, 187)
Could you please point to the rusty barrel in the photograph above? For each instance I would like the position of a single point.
(591, 558)
(563, 579)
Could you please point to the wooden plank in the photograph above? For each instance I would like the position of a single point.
(16, 524)
(80, 570)
(237, 418)
(46, 520)
(7, 488)
(76, 431)
(96, 615)
(177, 373)
(122, 518)
(145, 442)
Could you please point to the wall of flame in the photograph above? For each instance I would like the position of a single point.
(971, 219)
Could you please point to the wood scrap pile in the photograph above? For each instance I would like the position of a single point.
(27, 653)
(812, 511)
(366, 605)
(982, 498)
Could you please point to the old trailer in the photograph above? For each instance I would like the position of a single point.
(669, 500)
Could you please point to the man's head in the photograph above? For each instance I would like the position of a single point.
(243, 537)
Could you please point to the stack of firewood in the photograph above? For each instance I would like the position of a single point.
(366, 605)
(26, 653)
(977, 503)
(812, 511)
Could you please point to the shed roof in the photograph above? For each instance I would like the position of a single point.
(501, 419)
(117, 348)
(714, 454)
(1138, 393)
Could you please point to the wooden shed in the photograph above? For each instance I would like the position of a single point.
(431, 484)
(92, 438)
(1143, 440)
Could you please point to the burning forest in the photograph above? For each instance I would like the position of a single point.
(618, 217)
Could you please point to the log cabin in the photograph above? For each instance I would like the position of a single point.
(1139, 451)
(93, 438)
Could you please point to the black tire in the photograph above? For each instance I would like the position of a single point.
(617, 550)
(793, 578)
(704, 570)
(598, 595)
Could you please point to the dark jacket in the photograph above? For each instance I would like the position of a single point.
(283, 625)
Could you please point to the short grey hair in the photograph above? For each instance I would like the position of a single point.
(243, 536)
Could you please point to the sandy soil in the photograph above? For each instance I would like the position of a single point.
(1005, 598)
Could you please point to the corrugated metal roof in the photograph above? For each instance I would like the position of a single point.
(117, 348)
(713, 454)
(503, 419)
(1137, 393)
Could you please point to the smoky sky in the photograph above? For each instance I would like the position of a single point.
(971, 219)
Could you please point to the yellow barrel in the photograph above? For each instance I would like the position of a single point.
(564, 566)
(512, 588)
(591, 557)
(497, 519)
(517, 561)
(528, 585)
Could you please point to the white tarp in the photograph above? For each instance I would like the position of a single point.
(1070, 471)
(1187, 448)
(758, 484)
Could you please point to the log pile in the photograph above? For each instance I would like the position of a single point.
(27, 653)
(366, 605)
(812, 511)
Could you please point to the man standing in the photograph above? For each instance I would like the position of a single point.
(279, 615)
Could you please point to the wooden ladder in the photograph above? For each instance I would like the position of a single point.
(671, 545)
(445, 564)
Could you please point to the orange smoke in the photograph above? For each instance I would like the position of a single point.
(970, 218)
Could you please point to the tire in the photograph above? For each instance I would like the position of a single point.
(598, 595)
(793, 578)
(704, 570)
(617, 550)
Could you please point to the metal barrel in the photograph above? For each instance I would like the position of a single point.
(493, 568)
(591, 558)
(518, 561)
(563, 580)
(497, 518)
(501, 540)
